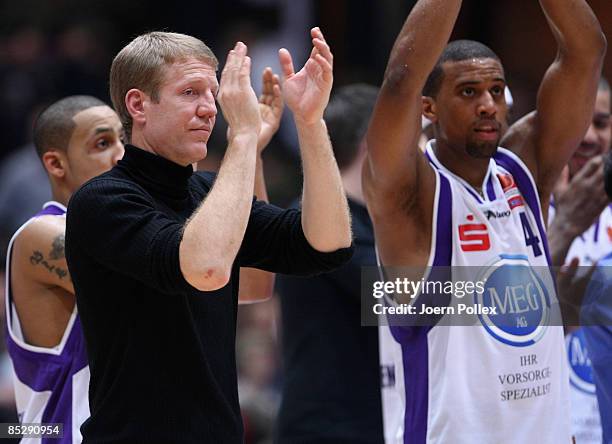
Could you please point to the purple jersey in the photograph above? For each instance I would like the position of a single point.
(51, 384)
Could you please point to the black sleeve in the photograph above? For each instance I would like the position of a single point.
(274, 241)
(117, 224)
(348, 277)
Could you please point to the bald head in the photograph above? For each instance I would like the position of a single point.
(55, 125)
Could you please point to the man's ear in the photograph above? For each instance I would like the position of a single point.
(135, 103)
(56, 163)
(430, 110)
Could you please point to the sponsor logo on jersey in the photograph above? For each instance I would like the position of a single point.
(511, 191)
(473, 237)
(521, 300)
(497, 214)
(581, 371)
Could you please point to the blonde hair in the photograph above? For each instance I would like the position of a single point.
(141, 64)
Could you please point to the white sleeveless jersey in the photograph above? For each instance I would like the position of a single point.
(589, 247)
(51, 384)
(594, 243)
(505, 379)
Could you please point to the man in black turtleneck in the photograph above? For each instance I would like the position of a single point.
(154, 248)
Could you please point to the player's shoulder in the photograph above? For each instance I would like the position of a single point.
(521, 133)
(40, 232)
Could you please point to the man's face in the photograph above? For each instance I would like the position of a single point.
(598, 138)
(178, 126)
(95, 146)
(470, 106)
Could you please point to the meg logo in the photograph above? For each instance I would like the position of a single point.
(581, 372)
(521, 300)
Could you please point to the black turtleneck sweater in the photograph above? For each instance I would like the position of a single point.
(162, 353)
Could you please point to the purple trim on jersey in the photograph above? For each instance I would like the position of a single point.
(52, 210)
(490, 188)
(467, 188)
(415, 358)
(596, 234)
(413, 340)
(43, 371)
(444, 224)
(528, 191)
(474, 195)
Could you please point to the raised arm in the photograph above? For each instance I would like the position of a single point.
(567, 93)
(325, 216)
(395, 127)
(214, 233)
(258, 285)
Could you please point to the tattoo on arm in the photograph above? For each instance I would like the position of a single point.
(57, 248)
(38, 258)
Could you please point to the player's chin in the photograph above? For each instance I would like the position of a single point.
(480, 149)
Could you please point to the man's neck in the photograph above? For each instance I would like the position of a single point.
(469, 168)
(60, 195)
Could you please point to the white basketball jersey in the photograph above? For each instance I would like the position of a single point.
(504, 379)
(594, 243)
(589, 247)
(51, 384)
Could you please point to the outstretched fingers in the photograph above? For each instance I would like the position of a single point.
(286, 63)
(321, 53)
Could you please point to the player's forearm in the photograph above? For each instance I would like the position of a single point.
(214, 233)
(325, 216)
(419, 44)
(576, 28)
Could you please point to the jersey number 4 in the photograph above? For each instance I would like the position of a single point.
(531, 240)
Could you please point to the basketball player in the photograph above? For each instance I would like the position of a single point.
(597, 315)
(468, 202)
(582, 226)
(77, 138)
(580, 234)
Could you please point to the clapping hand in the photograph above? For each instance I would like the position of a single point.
(307, 91)
(270, 108)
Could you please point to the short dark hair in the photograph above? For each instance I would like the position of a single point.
(608, 174)
(54, 126)
(456, 52)
(347, 116)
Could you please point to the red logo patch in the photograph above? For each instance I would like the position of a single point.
(474, 237)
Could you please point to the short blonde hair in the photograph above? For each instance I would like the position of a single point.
(141, 64)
